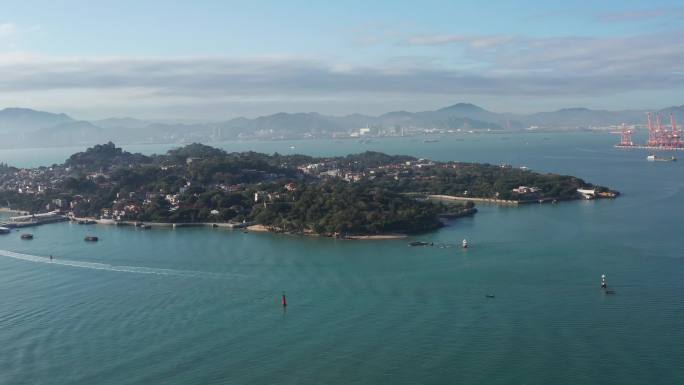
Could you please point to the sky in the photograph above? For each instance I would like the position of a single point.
(208, 60)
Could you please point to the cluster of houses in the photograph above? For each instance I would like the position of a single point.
(33, 181)
(130, 204)
(524, 190)
(332, 169)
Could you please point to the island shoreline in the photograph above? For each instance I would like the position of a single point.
(251, 227)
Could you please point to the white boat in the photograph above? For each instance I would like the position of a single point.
(464, 243)
(5, 230)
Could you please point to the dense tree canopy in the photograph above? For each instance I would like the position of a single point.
(339, 207)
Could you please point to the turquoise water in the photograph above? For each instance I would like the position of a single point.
(201, 306)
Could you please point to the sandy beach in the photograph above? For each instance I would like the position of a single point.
(378, 237)
(258, 228)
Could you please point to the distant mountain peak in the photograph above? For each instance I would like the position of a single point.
(21, 120)
(463, 107)
(29, 111)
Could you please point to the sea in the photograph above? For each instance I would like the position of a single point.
(203, 306)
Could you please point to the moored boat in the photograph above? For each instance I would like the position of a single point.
(5, 230)
(91, 238)
(27, 236)
(419, 243)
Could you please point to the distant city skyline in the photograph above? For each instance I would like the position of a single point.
(218, 60)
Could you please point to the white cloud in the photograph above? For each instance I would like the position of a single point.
(640, 15)
(520, 67)
(7, 30)
(576, 67)
(484, 41)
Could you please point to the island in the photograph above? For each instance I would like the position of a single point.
(370, 194)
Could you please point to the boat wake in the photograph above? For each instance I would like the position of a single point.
(108, 267)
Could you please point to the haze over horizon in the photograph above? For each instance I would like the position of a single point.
(212, 60)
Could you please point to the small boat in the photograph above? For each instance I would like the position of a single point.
(419, 243)
(489, 295)
(464, 244)
(145, 226)
(5, 230)
(656, 158)
(430, 140)
(91, 238)
(610, 291)
(26, 236)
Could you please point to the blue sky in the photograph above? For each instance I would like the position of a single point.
(220, 59)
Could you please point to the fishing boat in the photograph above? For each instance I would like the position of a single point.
(27, 236)
(91, 238)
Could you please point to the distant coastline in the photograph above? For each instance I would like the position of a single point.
(32, 128)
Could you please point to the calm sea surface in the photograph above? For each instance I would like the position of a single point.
(201, 306)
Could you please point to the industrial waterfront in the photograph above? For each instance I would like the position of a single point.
(660, 136)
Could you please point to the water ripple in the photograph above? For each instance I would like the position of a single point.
(109, 267)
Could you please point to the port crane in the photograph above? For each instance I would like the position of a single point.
(659, 136)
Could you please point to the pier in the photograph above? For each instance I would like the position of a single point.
(645, 147)
(494, 201)
(33, 220)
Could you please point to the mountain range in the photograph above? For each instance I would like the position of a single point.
(21, 127)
